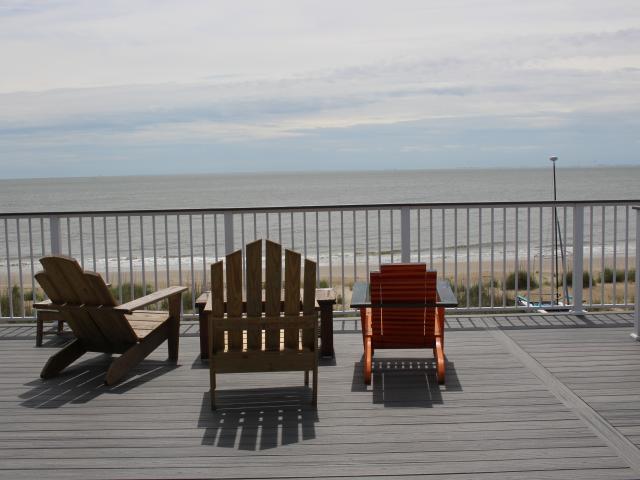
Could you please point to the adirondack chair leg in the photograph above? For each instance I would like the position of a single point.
(438, 353)
(44, 316)
(212, 376)
(63, 359)
(39, 329)
(136, 354)
(174, 326)
(367, 360)
(314, 398)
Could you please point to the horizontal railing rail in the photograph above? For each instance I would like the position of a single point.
(498, 256)
(300, 208)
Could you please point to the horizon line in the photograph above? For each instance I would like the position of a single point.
(324, 172)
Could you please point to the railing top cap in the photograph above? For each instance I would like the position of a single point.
(312, 208)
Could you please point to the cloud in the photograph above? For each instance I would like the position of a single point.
(307, 80)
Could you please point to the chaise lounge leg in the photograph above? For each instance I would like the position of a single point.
(438, 353)
(367, 360)
(63, 359)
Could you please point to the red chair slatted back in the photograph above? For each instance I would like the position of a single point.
(403, 327)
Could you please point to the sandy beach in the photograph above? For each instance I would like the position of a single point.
(342, 277)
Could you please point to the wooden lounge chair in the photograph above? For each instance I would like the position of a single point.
(100, 324)
(49, 315)
(251, 341)
(403, 314)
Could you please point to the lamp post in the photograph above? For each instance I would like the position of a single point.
(555, 235)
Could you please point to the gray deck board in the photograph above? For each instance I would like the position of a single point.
(604, 370)
(494, 418)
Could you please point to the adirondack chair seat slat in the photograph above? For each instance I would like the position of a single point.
(262, 333)
(145, 322)
(84, 301)
(267, 362)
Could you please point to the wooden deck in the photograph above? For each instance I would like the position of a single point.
(538, 396)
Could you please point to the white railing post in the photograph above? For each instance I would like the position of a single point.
(405, 235)
(54, 235)
(636, 329)
(578, 247)
(228, 233)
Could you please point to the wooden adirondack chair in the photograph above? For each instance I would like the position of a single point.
(251, 341)
(403, 314)
(100, 324)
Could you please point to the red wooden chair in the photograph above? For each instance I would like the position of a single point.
(403, 314)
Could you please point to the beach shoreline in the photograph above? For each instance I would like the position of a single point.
(464, 277)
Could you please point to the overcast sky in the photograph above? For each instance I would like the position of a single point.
(118, 88)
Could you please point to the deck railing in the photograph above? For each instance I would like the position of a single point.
(494, 254)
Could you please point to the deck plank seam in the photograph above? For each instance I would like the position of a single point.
(598, 424)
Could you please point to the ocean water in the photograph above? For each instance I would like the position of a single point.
(322, 188)
(336, 238)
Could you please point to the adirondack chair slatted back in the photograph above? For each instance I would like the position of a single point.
(73, 292)
(403, 327)
(272, 289)
(309, 335)
(254, 292)
(217, 306)
(234, 298)
(254, 332)
(291, 296)
(272, 332)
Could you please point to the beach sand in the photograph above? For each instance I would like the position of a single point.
(342, 278)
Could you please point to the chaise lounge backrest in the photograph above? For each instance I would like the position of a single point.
(403, 327)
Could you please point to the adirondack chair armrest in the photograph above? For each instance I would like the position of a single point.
(152, 298)
(43, 305)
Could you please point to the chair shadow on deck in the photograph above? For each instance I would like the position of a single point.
(258, 419)
(406, 382)
(84, 381)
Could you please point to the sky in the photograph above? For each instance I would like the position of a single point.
(163, 87)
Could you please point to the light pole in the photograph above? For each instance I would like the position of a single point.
(555, 234)
(557, 238)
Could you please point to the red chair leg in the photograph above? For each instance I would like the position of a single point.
(438, 353)
(368, 354)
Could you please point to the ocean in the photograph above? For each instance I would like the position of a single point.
(110, 244)
(321, 188)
